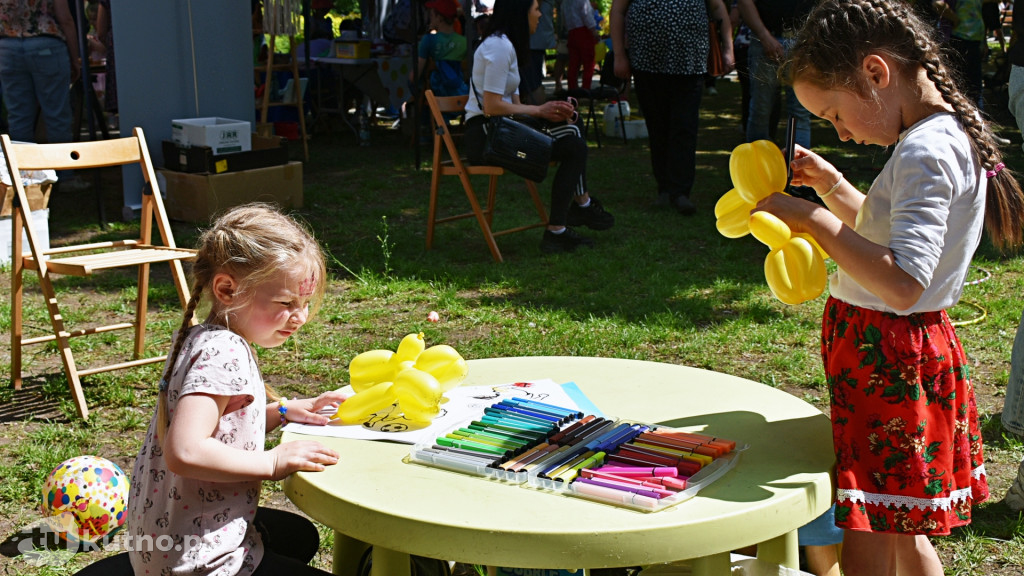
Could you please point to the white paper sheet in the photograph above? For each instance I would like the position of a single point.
(463, 404)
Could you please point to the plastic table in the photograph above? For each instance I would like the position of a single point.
(781, 482)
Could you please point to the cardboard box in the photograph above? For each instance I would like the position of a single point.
(41, 223)
(266, 151)
(198, 198)
(222, 134)
(354, 50)
(38, 198)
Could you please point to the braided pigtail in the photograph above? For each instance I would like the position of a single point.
(839, 34)
(254, 244)
(1004, 200)
(163, 414)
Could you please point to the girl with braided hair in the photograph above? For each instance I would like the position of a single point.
(905, 426)
(198, 475)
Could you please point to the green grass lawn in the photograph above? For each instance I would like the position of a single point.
(658, 286)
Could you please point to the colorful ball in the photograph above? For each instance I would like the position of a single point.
(92, 491)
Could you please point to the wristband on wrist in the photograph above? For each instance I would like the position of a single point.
(833, 189)
(282, 409)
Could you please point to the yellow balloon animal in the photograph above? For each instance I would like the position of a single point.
(795, 267)
(414, 376)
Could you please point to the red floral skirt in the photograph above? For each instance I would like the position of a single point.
(904, 421)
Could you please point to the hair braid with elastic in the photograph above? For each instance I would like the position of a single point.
(839, 34)
(163, 418)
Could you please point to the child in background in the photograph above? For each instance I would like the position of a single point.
(578, 17)
(904, 419)
(198, 475)
(446, 48)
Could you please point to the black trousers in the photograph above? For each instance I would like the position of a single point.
(290, 541)
(569, 150)
(670, 104)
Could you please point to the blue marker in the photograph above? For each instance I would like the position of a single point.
(562, 416)
(517, 410)
(567, 411)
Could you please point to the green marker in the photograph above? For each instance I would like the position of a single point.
(573, 472)
(474, 446)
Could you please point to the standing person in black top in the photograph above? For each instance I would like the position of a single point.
(664, 45)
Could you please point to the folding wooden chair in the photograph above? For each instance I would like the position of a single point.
(85, 259)
(454, 165)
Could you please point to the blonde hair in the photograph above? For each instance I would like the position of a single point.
(253, 243)
(836, 37)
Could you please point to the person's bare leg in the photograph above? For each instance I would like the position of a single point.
(868, 554)
(916, 555)
(822, 560)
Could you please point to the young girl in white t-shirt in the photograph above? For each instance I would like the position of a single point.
(909, 461)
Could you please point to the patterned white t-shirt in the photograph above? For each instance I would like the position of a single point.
(180, 525)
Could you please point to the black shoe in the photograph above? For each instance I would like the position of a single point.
(593, 216)
(567, 241)
(684, 205)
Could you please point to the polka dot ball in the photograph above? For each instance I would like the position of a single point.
(93, 491)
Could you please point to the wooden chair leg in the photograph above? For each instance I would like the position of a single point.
(492, 196)
(141, 305)
(16, 319)
(57, 321)
(481, 218)
(435, 184)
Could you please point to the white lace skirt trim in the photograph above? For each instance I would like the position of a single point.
(946, 503)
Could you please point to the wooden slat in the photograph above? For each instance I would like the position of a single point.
(122, 365)
(89, 263)
(75, 333)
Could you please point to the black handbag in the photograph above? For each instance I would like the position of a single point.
(515, 146)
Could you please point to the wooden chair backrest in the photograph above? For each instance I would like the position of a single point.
(77, 155)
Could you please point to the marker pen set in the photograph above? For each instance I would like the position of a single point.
(556, 448)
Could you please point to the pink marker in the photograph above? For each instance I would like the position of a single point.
(615, 495)
(641, 470)
(649, 482)
(625, 484)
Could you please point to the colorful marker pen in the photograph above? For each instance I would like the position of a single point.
(574, 471)
(523, 462)
(567, 465)
(640, 471)
(537, 415)
(530, 402)
(562, 416)
(474, 446)
(575, 426)
(649, 492)
(613, 495)
(438, 454)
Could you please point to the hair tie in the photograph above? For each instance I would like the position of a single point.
(992, 173)
(163, 385)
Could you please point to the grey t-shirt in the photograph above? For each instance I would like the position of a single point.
(206, 527)
(928, 206)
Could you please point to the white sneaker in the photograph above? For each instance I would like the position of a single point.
(1015, 495)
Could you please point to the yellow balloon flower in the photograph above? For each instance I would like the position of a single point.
(795, 267)
(415, 376)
